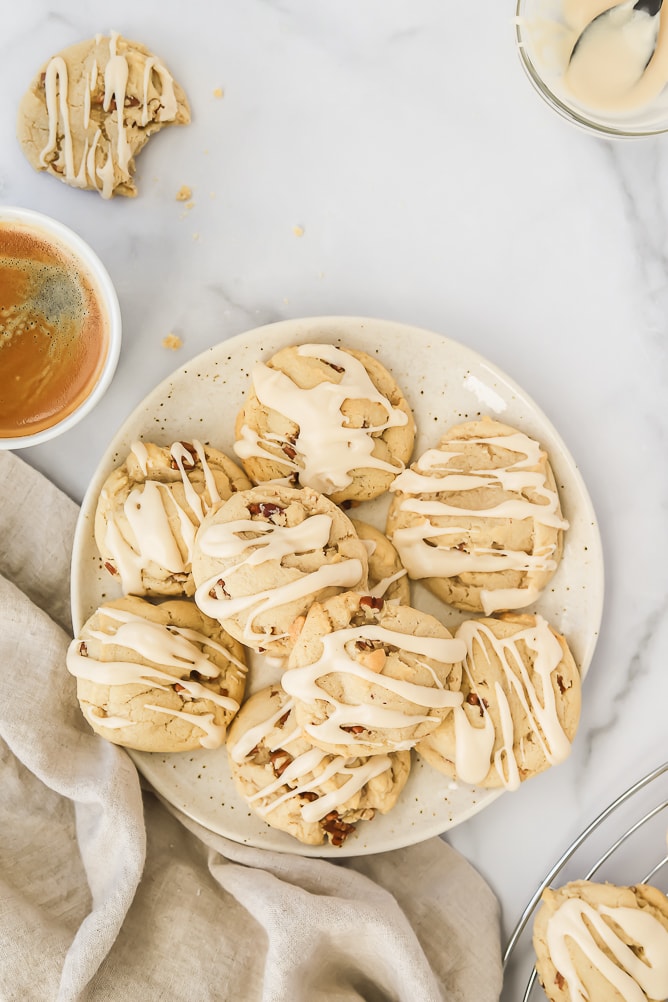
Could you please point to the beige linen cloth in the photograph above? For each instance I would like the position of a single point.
(107, 895)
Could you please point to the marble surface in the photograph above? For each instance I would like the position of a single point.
(391, 160)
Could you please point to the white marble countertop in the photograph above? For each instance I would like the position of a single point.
(391, 160)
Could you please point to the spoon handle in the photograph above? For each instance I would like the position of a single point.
(651, 7)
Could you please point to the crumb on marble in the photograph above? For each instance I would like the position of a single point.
(218, 92)
(172, 341)
(184, 194)
(298, 231)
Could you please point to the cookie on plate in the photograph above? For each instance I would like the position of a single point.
(150, 508)
(387, 578)
(478, 518)
(298, 788)
(328, 418)
(264, 556)
(157, 678)
(521, 708)
(369, 677)
(602, 943)
(92, 107)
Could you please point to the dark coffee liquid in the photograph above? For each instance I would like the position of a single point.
(54, 331)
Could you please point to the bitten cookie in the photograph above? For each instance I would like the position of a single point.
(521, 705)
(602, 943)
(479, 519)
(369, 677)
(328, 418)
(387, 578)
(91, 109)
(150, 508)
(298, 788)
(266, 555)
(157, 678)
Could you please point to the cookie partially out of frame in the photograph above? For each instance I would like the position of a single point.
(157, 678)
(602, 943)
(521, 707)
(92, 107)
(369, 677)
(264, 556)
(295, 787)
(478, 518)
(329, 418)
(150, 508)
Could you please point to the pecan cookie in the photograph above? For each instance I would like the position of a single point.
(328, 418)
(92, 107)
(478, 518)
(264, 556)
(298, 788)
(157, 678)
(149, 510)
(387, 578)
(369, 677)
(521, 708)
(602, 943)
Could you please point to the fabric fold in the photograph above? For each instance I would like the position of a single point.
(108, 894)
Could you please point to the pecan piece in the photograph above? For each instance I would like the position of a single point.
(110, 567)
(266, 509)
(337, 829)
(83, 650)
(353, 729)
(473, 699)
(280, 760)
(369, 602)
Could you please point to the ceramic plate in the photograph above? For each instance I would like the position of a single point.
(445, 383)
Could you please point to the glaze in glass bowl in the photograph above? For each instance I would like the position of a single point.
(544, 47)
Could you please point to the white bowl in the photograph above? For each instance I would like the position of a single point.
(59, 234)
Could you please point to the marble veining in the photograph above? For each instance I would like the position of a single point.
(384, 160)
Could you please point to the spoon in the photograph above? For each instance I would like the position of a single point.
(614, 20)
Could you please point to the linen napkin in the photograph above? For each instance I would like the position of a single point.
(106, 894)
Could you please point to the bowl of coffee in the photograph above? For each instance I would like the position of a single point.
(60, 328)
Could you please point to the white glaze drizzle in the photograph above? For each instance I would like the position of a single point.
(307, 772)
(223, 541)
(302, 684)
(434, 474)
(154, 540)
(327, 449)
(214, 734)
(167, 645)
(474, 745)
(635, 979)
(59, 109)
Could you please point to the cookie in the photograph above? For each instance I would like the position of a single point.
(69, 122)
(478, 519)
(150, 508)
(298, 788)
(328, 418)
(369, 677)
(157, 678)
(266, 555)
(521, 707)
(602, 943)
(387, 578)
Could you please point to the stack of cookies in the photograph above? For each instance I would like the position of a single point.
(256, 561)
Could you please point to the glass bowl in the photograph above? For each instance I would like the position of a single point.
(546, 32)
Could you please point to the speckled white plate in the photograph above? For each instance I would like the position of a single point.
(445, 383)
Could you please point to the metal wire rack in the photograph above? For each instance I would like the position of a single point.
(625, 844)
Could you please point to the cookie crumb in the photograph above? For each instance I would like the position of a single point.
(218, 92)
(172, 341)
(298, 231)
(184, 194)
